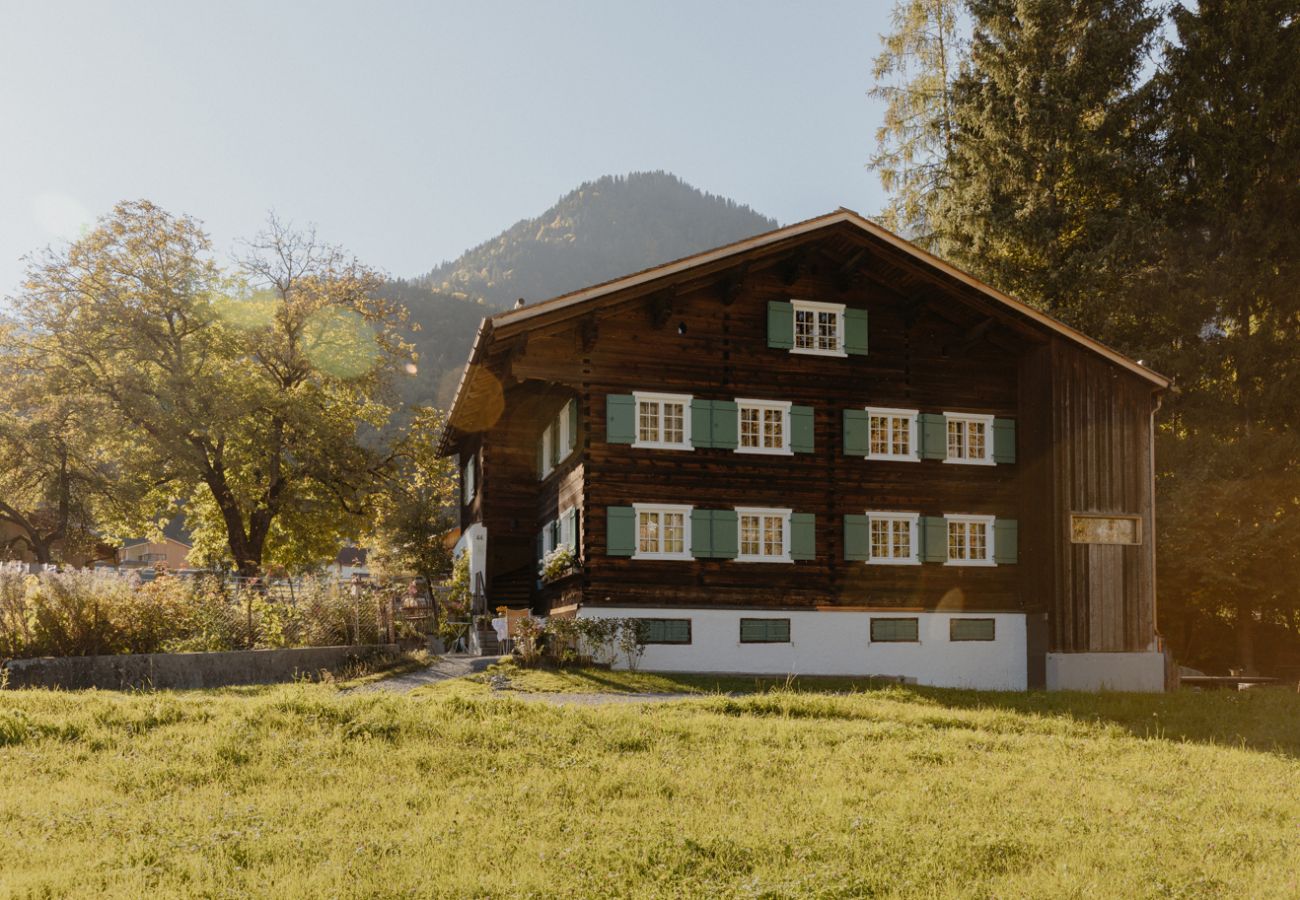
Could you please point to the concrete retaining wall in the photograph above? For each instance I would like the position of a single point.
(1106, 671)
(185, 670)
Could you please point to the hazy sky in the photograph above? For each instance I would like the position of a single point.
(408, 132)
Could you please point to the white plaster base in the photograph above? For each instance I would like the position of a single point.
(838, 643)
(1106, 671)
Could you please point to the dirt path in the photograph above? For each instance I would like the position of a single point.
(445, 668)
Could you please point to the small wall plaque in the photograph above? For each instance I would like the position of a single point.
(1096, 528)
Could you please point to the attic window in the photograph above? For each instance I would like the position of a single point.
(818, 328)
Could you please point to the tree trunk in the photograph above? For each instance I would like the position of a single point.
(1245, 633)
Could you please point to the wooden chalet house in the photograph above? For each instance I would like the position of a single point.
(820, 450)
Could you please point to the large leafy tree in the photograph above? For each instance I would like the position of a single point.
(51, 478)
(1229, 94)
(914, 74)
(250, 396)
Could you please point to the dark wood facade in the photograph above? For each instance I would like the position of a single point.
(939, 342)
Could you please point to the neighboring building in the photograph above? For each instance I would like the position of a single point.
(169, 553)
(172, 552)
(820, 450)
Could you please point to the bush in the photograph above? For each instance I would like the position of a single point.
(84, 613)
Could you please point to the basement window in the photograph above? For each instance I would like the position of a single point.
(971, 630)
(895, 631)
(664, 631)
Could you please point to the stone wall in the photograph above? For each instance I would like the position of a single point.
(186, 670)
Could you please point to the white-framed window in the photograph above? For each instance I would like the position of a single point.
(818, 328)
(970, 540)
(555, 442)
(663, 421)
(970, 438)
(893, 539)
(566, 528)
(549, 531)
(892, 434)
(764, 535)
(663, 531)
(764, 426)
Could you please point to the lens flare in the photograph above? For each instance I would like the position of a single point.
(340, 343)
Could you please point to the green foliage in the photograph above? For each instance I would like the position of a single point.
(1157, 208)
(414, 509)
(247, 395)
(271, 792)
(82, 612)
(914, 74)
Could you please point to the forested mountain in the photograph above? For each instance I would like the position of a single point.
(603, 229)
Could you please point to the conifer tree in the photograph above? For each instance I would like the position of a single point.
(1051, 157)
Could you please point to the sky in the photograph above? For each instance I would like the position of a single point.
(408, 132)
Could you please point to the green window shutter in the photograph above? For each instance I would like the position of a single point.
(1005, 541)
(803, 536)
(780, 324)
(971, 630)
(572, 411)
(855, 332)
(538, 550)
(620, 419)
(555, 532)
(895, 630)
(857, 432)
(541, 456)
(801, 429)
(934, 538)
(1004, 440)
(765, 631)
(620, 531)
(726, 534)
(701, 422)
(857, 538)
(726, 424)
(933, 429)
(702, 533)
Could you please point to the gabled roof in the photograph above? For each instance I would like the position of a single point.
(842, 216)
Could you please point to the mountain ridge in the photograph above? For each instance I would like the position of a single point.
(603, 229)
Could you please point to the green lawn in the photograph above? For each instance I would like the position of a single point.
(299, 791)
(605, 681)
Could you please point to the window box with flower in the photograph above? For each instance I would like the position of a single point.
(558, 564)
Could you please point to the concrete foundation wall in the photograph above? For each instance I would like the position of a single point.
(185, 670)
(839, 643)
(1106, 672)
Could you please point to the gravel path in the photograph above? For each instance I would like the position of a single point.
(443, 669)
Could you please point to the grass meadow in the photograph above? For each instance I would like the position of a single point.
(302, 791)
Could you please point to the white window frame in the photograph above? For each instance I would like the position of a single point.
(914, 453)
(684, 399)
(548, 464)
(913, 520)
(548, 534)
(783, 514)
(986, 421)
(566, 524)
(814, 306)
(639, 508)
(989, 537)
(782, 406)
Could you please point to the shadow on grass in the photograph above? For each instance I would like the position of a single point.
(1261, 719)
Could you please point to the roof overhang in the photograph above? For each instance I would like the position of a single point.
(525, 317)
